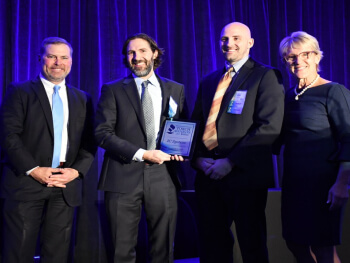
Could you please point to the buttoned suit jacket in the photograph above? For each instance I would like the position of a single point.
(246, 138)
(120, 130)
(26, 137)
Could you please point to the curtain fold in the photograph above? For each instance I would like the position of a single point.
(188, 30)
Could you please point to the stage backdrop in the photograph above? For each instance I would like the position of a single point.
(189, 32)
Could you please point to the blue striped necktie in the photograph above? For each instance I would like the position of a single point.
(57, 117)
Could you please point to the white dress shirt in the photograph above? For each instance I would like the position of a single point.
(155, 91)
(63, 94)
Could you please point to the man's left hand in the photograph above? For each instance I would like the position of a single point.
(64, 176)
(178, 158)
(219, 169)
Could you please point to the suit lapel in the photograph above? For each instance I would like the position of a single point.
(72, 115)
(210, 90)
(241, 77)
(74, 110)
(39, 89)
(134, 98)
(166, 92)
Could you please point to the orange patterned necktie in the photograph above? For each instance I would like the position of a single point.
(210, 138)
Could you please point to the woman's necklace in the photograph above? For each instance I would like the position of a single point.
(307, 87)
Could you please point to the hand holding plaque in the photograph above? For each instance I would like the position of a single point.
(178, 138)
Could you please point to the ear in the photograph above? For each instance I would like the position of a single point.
(318, 59)
(251, 42)
(155, 54)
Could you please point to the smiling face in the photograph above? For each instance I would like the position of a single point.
(303, 66)
(140, 58)
(235, 42)
(56, 62)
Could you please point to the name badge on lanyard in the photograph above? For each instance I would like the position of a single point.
(237, 102)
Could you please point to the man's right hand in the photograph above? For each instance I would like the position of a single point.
(215, 169)
(43, 174)
(156, 156)
(204, 164)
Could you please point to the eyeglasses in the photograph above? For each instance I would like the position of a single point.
(302, 55)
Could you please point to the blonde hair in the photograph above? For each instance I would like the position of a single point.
(300, 38)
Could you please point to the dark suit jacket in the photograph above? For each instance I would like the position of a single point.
(245, 138)
(120, 130)
(26, 137)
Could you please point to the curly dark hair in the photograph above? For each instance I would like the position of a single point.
(153, 44)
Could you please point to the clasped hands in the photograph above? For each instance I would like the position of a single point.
(215, 169)
(54, 177)
(159, 157)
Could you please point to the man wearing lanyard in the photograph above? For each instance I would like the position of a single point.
(240, 108)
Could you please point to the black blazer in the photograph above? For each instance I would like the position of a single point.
(245, 138)
(120, 130)
(26, 138)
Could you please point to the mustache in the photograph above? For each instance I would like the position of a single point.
(134, 61)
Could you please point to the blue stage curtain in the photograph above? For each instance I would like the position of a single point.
(188, 30)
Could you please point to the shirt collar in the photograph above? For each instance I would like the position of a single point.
(152, 79)
(237, 66)
(49, 84)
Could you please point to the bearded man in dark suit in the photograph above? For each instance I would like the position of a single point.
(47, 138)
(134, 172)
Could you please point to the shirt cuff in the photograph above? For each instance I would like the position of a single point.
(138, 155)
(31, 170)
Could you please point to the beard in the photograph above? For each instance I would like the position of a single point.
(141, 72)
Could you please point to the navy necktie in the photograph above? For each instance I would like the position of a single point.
(57, 117)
